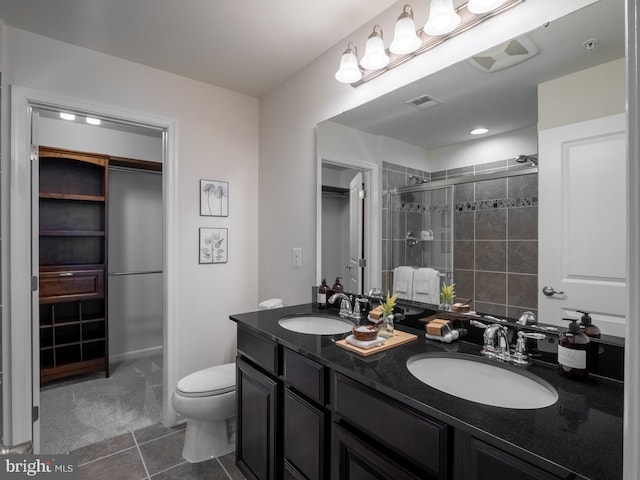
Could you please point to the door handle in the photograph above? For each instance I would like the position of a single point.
(550, 291)
(348, 267)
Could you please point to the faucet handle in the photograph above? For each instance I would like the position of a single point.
(344, 307)
(521, 356)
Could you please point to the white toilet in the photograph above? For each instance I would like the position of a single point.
(207, 399)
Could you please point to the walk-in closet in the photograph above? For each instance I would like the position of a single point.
(100, 244)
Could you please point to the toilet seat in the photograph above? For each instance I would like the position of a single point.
(209, 382)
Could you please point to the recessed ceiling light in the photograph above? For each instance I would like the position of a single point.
(67, 116)
(93, 121)
(479, 131)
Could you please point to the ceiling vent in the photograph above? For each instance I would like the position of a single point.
(423, 102)
(505, 55)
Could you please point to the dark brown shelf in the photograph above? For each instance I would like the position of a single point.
(73, 258)
(70, 196)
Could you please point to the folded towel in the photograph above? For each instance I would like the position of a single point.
(403, 281)
(364, 343)
(426, 286)
(270, 304)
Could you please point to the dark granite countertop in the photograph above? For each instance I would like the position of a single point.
(582, 432)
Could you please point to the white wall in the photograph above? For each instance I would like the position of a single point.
(523, 141)
(401, 153)
(289, 114)
(89, 138)
(217, 139)
(585, 95)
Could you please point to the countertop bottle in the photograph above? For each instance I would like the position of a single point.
(572, 352)
(587, 327)
(337, 287)
(322, 294)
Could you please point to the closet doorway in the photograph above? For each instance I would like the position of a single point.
(128, 394)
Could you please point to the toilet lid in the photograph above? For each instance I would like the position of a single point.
(210, 381)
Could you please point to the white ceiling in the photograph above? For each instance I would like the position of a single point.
(248, 46)
(503, 101)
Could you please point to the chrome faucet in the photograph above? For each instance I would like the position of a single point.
(527, 318)
(346, 309)
(496, 342)
(376, 293)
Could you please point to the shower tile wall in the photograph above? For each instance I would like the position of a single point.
(496, 245)
(496, 237)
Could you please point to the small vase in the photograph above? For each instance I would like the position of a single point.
(386, 327)
(444, 306)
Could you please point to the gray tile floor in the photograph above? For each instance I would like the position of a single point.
(153, 452)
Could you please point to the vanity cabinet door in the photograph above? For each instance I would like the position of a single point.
(354, 459)
(304, 437)
(258, 441)
(484, 462)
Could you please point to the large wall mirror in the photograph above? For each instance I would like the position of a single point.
(468, 209)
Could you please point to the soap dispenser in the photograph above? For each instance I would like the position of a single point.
(337, 287)
(322, 294)
(588, 328)
(572, 352)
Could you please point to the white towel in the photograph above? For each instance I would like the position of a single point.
(403, 282)
(426, 286)
(271, 304)
(364, 343)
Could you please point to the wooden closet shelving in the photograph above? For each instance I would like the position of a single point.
(73, 257)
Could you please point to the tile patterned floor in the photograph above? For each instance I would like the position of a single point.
(153, 452)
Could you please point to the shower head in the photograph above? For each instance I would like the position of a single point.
(527, 158)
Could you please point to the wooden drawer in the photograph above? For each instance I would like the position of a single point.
(62, 285)
(306, 376)
(412, 435)
(262, 351)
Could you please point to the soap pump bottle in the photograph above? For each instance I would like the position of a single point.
(588, 328)
(337, 287)
(322, 294)
(572, 352)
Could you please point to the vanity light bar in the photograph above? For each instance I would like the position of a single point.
(468, 21)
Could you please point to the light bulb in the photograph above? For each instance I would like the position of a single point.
(349, 71)
(405, 38)
(442, 18)
(375, 57)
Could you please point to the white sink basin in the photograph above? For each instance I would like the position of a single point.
(316, 324)
(482, 381)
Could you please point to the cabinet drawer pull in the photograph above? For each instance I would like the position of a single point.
(66, 274)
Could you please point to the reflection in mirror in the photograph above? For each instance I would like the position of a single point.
(343, 224)
(420, 135)
(421, 242)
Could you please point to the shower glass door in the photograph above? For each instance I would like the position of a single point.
(421, 237)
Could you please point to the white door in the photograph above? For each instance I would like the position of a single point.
(582, 223)
(356, 236)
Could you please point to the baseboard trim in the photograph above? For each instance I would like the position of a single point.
(136, 354)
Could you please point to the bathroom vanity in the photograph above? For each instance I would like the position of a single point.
(309, 409)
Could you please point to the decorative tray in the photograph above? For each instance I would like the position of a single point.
(399, 338)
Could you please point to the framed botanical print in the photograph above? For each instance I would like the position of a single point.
(214, 198)
(213, 245)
